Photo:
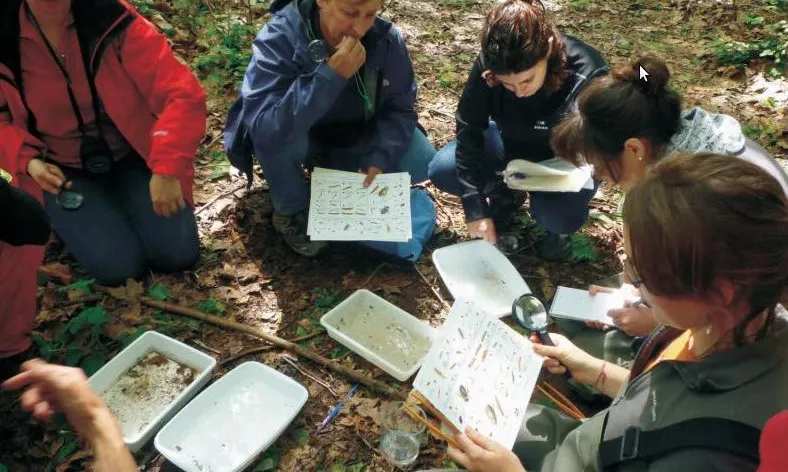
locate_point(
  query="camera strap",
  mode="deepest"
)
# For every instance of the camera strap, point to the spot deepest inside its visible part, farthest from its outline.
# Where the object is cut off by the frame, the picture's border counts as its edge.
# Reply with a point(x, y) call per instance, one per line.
point(72, 98)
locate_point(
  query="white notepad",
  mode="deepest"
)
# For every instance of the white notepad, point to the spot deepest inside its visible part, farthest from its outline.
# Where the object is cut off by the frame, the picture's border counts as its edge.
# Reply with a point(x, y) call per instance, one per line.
point(552, 175)
point(580, 305)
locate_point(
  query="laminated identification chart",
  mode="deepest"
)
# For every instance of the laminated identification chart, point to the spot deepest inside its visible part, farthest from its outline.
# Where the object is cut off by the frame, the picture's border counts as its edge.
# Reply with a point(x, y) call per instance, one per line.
point(480, 374)
point(341, 209)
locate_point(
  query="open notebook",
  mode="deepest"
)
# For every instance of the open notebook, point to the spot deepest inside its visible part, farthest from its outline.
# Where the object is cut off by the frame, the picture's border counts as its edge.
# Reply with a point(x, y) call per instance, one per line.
point(552, 175)
point(479, 373)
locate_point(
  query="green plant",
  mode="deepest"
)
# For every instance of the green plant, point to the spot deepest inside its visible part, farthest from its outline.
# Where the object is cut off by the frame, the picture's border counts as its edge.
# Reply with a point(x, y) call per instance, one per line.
point(772, 46)
point(579, 5)
point(751, 20)
point(582, 249)
point(81, 342)
point(212, 306)
point(228, 54)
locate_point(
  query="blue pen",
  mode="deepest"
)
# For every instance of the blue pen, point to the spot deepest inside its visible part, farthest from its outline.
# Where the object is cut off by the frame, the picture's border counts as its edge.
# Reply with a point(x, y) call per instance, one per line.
point(337, 408)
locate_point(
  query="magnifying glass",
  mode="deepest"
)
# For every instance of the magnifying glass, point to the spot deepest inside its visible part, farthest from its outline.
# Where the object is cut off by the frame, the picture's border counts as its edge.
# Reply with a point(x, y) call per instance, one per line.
point(530, 313)
point(69, 199)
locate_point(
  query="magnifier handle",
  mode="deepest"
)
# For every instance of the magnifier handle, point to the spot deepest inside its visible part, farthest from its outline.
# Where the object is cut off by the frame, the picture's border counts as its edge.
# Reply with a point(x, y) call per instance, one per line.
point(544, 336)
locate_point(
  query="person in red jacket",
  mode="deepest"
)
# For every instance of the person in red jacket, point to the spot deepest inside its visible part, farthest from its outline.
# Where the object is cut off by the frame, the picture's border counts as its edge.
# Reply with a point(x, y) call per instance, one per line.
point(24, 230)
point(774, 444)
point(96, 109)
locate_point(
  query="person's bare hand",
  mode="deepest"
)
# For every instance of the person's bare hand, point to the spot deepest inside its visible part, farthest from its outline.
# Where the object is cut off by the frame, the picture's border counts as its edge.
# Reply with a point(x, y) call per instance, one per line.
point(566, 356)
point(479, 453)
point(348, 58)
point(593, 290)
point(634, 319)
point(484, 229)
point(166, 194)
point(48, 176)
point(372, 172)
point(51, 389)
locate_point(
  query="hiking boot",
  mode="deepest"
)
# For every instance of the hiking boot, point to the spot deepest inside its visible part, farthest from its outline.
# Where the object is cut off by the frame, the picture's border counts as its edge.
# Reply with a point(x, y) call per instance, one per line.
point(293, 231)
point(508, 243)
point(554, 247)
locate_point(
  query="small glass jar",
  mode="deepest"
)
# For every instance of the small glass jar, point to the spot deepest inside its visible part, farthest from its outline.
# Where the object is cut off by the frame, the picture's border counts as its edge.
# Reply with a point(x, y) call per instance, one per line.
point(402, 436)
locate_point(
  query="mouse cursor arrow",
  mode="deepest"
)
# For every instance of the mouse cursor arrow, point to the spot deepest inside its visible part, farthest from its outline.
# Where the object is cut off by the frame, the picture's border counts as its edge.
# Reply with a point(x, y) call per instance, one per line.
point(643, 74)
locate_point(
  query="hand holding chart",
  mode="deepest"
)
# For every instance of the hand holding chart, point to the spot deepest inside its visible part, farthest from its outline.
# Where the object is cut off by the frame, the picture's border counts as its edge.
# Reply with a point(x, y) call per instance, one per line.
point(581, 305)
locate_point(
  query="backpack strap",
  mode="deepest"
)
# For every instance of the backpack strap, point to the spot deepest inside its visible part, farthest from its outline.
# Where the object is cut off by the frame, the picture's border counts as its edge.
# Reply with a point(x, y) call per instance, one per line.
point(709, 433)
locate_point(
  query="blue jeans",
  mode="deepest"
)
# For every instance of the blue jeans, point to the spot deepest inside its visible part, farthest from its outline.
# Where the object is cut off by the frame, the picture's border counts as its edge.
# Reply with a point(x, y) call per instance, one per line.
point(290, 192)
point(557, 212)
point(115, 235)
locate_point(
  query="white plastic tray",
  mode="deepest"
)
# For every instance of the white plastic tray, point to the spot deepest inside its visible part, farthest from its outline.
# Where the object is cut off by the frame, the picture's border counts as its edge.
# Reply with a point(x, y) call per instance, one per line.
point(232, 421)
point(128, 358)
point(388, 314)
point(478, 271)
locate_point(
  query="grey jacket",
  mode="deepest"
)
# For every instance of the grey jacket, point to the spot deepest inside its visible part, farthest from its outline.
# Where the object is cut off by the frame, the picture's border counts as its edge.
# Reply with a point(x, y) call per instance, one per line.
point(747, 384)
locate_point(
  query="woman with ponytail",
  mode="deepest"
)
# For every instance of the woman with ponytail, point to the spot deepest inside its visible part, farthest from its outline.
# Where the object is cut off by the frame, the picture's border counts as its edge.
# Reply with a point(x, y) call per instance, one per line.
point(525, 78)
point(624, 123)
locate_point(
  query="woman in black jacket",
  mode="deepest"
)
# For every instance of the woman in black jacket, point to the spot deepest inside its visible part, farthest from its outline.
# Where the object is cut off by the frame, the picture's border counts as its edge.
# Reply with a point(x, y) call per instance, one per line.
point(524, 80)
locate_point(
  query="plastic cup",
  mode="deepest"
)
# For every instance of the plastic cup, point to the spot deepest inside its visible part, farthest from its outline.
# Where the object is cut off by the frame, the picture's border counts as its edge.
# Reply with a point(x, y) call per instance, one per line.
point(402, 436)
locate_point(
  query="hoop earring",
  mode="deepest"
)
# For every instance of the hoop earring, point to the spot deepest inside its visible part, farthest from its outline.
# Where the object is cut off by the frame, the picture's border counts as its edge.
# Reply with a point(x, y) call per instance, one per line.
point(708, 328)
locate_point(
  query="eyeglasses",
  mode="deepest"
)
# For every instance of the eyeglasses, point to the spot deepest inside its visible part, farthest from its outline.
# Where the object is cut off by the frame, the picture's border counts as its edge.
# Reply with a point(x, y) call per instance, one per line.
point(631, 274)
point(69, 199)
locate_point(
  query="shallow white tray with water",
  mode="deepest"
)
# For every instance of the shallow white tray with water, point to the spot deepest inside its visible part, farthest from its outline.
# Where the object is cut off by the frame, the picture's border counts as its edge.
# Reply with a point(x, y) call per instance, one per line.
point(478, 271)
point(380, 332)
point(232, 421)
point(149, 381)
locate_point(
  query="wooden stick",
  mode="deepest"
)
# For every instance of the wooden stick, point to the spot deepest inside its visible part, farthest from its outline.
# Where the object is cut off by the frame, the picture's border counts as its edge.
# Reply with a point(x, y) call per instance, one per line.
point(292, 362)
point(369, 279)
point(257, 350)
point(275, 340)
point(567, 402)
point(434, 292)
point(85, 299)
point(217, 197)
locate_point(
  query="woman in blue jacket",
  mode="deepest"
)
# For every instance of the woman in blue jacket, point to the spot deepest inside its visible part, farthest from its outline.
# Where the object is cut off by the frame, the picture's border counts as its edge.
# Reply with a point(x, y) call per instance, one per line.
point(331, 83)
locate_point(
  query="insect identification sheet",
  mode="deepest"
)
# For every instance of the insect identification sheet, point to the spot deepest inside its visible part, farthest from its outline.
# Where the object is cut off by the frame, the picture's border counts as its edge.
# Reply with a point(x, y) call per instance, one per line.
point(480, 373)
point(341, 209)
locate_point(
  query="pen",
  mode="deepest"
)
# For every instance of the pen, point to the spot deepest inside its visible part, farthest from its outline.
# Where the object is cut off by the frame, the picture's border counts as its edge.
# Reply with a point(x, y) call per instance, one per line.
point(337, 408)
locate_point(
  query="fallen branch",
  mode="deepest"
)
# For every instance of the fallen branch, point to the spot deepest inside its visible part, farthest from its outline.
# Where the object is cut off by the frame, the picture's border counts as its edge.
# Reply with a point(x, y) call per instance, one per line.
point(275, 340)
point(258, 350)
point(303, 372)
point(434, 292)
point(217, 197)
point(372, 274)
point(85, 299)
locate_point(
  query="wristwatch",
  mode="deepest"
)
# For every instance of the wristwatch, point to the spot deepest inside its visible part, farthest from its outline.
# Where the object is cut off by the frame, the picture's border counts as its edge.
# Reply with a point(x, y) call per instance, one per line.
point(318, 50)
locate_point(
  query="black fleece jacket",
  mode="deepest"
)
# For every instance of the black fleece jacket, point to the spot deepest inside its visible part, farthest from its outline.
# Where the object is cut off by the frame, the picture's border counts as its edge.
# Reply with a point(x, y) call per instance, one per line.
point(525, 123)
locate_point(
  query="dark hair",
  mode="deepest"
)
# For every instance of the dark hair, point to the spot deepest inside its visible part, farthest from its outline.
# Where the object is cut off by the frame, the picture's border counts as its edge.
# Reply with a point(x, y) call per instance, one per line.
point(519, 33)
point(696, 219)
point(618, 107)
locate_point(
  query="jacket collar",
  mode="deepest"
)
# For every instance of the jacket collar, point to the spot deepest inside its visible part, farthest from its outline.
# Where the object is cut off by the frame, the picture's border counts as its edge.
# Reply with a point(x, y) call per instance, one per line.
point(304, 11)
point(730, 369)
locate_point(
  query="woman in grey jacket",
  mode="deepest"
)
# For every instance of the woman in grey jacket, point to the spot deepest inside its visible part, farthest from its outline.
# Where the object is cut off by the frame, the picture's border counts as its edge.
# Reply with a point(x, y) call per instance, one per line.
point(707, 244)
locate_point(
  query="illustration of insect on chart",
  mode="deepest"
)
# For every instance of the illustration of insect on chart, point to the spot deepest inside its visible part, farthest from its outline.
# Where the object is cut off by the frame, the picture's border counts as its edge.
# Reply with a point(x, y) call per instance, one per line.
point(481, 373)
point(341, 209)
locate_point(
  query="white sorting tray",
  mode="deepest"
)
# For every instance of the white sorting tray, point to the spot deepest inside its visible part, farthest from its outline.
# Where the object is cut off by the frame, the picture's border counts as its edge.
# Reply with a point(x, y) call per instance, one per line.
point(478, 271)
point(233, 420)
point(128, 358)
point(386, 314)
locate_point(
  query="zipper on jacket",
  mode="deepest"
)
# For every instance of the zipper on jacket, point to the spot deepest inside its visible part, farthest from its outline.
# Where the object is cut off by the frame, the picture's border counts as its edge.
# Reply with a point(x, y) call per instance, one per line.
point(101, 40)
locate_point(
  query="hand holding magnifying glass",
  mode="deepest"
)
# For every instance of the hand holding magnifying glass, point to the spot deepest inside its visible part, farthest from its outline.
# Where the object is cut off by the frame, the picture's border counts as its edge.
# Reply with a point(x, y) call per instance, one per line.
point(530, 313)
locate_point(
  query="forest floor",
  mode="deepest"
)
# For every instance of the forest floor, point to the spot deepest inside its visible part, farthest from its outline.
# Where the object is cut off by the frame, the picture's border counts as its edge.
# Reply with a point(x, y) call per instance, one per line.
point(246, 273)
